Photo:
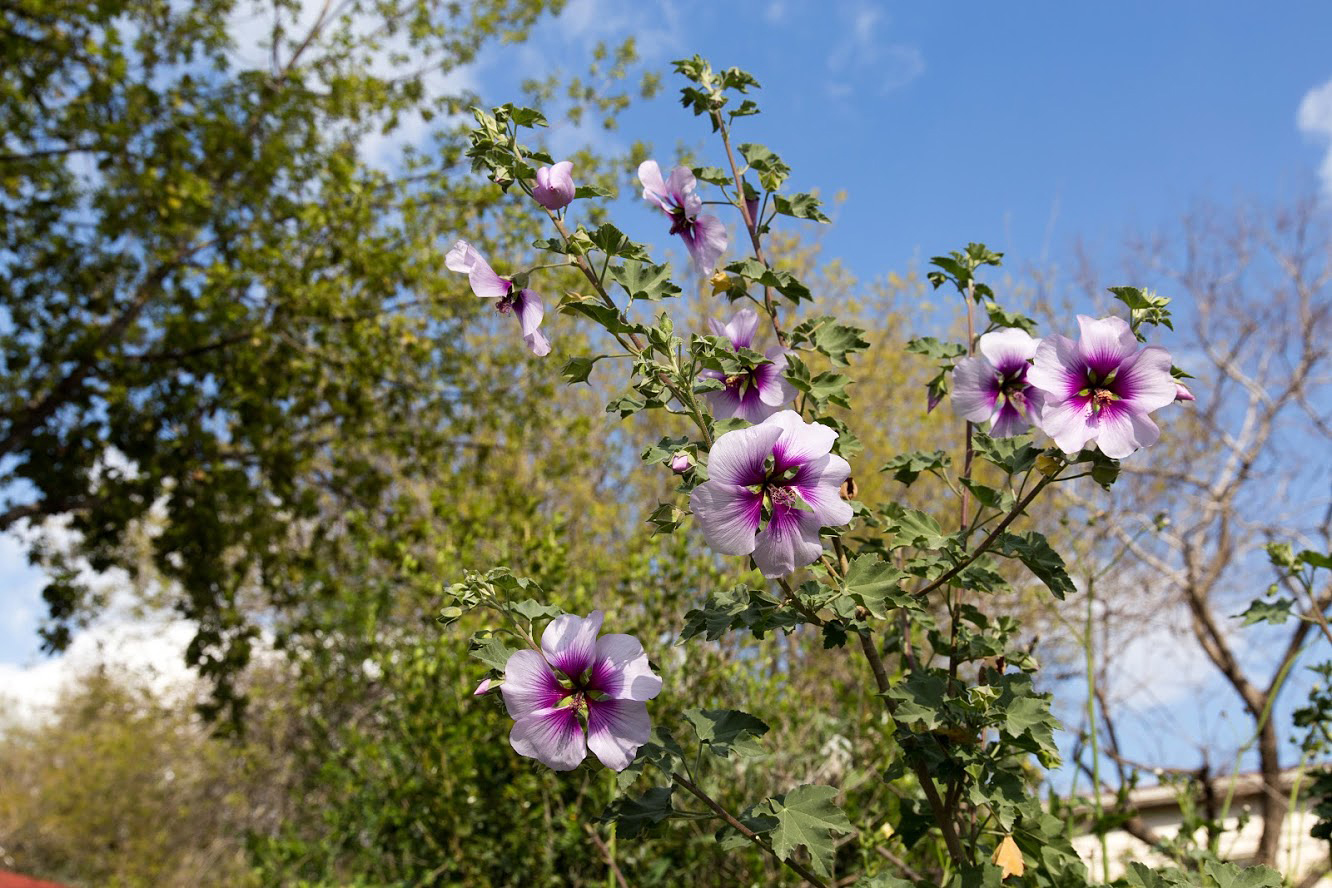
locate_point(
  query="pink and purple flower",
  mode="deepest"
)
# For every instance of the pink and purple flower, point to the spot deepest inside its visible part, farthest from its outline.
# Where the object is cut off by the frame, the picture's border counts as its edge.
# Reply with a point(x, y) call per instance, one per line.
point(526, 304)
point(770, 488)
point(704, 235)
point(1101, 389)
point(578, 679)
point(756, 393)
point(555, 186)
point(992, 386)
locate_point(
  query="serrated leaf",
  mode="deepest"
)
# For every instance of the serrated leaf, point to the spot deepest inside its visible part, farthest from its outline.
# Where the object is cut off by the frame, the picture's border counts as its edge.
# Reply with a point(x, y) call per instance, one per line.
point(914, 528)
point(614, 242)
point(727, 730)
point(806, 817)
point(643, 280)
point(633, 816)
point(906, 467)
point(782, 281)
point(934, 348)
point(577, 370)
point(1274, 612)
point(1034, 550)
point(799, 206)
point(491, 651)
point(876, 585)
point(586, 191)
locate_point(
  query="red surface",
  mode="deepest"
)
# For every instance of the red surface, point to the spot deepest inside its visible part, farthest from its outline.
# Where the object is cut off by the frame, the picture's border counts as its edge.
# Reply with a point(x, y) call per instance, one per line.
point(14, 880)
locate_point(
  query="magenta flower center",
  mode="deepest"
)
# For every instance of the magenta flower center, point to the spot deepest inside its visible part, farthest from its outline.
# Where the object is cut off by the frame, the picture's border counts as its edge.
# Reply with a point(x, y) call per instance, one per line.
point(1101, 389)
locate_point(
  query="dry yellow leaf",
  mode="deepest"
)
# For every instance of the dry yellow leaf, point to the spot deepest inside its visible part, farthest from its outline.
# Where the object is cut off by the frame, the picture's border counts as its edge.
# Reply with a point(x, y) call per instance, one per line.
point(1009, 857)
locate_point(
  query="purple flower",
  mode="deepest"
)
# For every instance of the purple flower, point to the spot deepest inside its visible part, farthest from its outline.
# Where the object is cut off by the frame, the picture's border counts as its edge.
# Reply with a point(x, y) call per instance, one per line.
point(703, 234)
point(753, 394)
point(681, 462)
point(576, 679)
point(555, 186)
point(778, 476)
point(464, 258)
point(1101, 388)
point(992, 386)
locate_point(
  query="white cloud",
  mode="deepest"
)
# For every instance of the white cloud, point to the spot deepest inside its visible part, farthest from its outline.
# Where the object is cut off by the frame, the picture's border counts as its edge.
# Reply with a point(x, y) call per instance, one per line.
point(775, 12)
point(1314, 118)
point(865, 59)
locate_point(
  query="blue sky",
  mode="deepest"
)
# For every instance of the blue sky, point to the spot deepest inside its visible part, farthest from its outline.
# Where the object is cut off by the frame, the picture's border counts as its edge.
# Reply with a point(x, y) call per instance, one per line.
point(1026, 126)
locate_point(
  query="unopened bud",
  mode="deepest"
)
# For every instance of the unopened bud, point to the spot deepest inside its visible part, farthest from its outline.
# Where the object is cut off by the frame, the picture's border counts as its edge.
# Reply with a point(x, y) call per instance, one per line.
point(721, 282)
point(1049, 464)
point(681, 462)
point(487, 685)
point(1182, 392)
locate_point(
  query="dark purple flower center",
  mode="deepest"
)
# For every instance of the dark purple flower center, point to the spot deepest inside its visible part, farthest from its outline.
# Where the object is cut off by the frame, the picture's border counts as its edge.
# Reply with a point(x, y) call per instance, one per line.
point(509, 300)
point(592, 685)
point(1101, 389)
point(739, 382)
point(680, 222)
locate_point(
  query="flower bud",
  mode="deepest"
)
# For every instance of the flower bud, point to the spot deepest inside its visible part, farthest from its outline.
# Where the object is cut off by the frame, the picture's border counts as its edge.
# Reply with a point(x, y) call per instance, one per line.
point(681, 462)
point(555, 186)
point(487, 685)
point(1182, 392)
point(721, 282)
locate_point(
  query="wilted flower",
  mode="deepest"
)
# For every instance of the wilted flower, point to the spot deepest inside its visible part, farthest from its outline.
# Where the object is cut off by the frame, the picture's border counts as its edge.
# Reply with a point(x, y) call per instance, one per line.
point(526, 304)
point(1101, 388)
point(703, 234)
point(681, 462)
point(992, 386)
point(555, 186)
point(575, 679)
point(753, 394)
point(778, 476)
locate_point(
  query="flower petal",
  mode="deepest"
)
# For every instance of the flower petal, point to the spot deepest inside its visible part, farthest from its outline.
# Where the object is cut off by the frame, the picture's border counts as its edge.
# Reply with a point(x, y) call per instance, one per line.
point(706, 241)
point(654, 189)
point(615, 730)
point(530, 310)
point(1008, 421)
point(1144, 381)
point(570, 642)
point(551, 736)
point(773, 388)
point(464, 258)
point(1105, 342)
point(819, 483)
point(1058, 369)
point(1120, 430)
point(737, 456)
point(728, 515)
point(1008, 349)
point(790, 540)
point(741, 328)
point(680, 187)
point(800, 441)
point(623, 656)
point(975, 389)
point(529, 684)
point(1067, 422)
point(555, 186)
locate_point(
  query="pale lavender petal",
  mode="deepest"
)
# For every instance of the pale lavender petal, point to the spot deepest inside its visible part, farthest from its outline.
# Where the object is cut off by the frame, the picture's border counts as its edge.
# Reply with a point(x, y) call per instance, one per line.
point(773, 388)
point(706, 241)
point(1105, 342)
point(464, 258)
point(741, 328)
point(1067, 422)
point(1058, 369)
point(624, 657)
point(615, 730)
point(790, 540)
point(1121, 430)
point(975, 389)
point(1144, 380)
point(1008, 421)
point(819, 483)
point(552, 736)
point(727, 514)
point(750, 404)
point(1008, 349)
point(485, 687)
point(800, 441)
point(681, 186)
point(570, 641)
point(737, 456)
point(530, 310)
point(555, 186)
point(681, 462)
point(529, 684)
point(724, 403)
point(654, 189)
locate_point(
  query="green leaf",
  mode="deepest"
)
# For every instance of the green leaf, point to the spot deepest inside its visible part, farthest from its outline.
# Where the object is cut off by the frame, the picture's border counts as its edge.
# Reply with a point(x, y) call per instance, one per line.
point(1002, 500)
point(614, 242)
point(914, 528)
point(876, 585)
point(712, 175)
point(1228, 875)
point(933, 348)
point(1013, 455)
point(830, 338)
point(1274, 612)
point(919, 700)
point(491, 651)
point(807, 817)
point(772, 170)
point(1034, 550)
point(578, 369)
point(643, 280)
point(727, 730)
point(782, 281)
point(1315, 559)
point(906, 467)
point(665, 518)
point(799, 206)
point(633, 816)
point(586, 191)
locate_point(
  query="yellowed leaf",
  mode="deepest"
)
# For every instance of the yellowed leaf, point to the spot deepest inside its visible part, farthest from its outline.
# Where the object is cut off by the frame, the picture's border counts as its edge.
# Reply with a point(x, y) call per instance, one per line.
point(1008, 856)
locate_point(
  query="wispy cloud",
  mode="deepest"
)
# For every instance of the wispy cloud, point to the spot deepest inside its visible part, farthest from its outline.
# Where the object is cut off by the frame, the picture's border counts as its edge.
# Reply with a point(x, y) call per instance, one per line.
point(1314, 118)
point(865, 60)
